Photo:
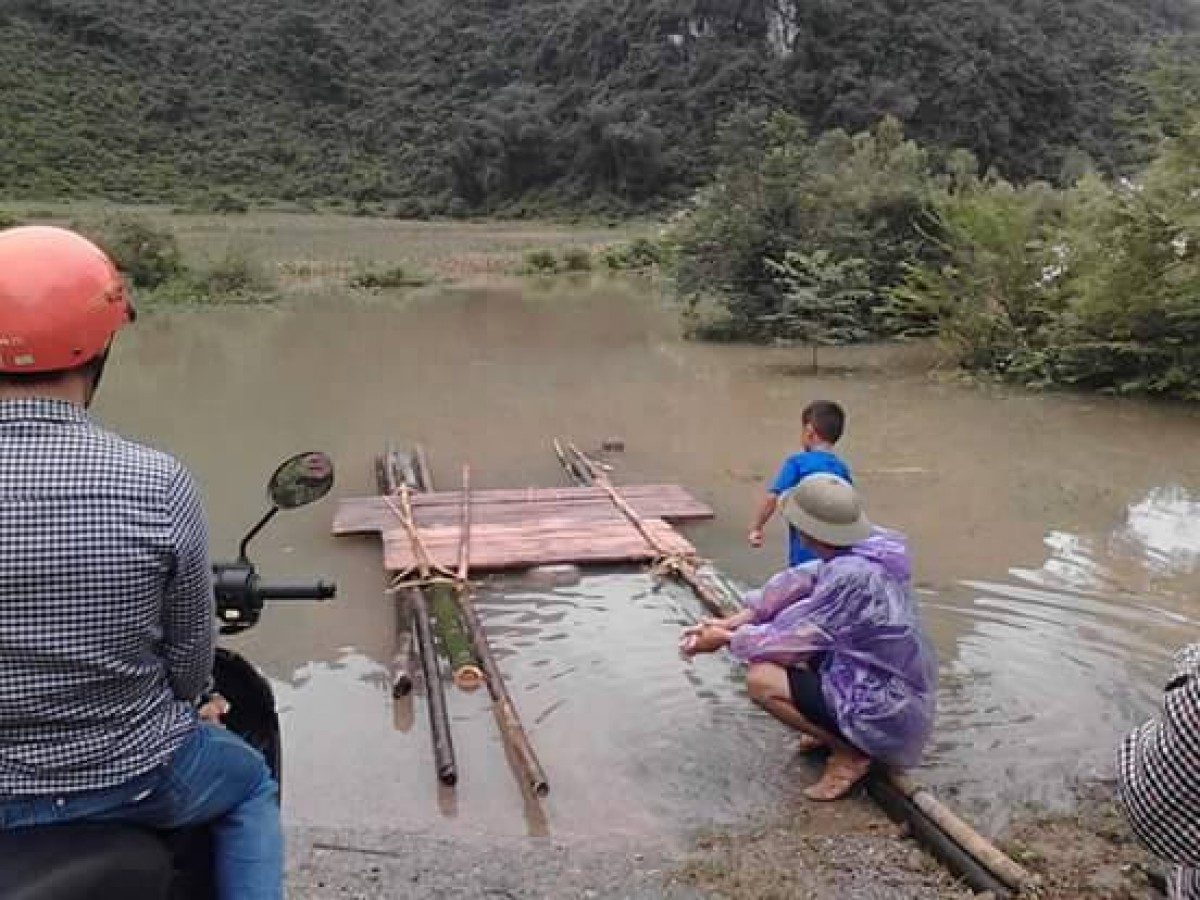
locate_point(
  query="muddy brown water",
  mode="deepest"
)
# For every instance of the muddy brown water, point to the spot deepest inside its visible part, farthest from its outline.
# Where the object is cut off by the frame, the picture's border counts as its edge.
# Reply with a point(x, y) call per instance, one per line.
point(1057, 543)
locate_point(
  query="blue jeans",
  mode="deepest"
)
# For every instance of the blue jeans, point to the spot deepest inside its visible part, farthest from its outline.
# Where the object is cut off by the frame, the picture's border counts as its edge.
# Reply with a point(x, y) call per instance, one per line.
point(214, 777)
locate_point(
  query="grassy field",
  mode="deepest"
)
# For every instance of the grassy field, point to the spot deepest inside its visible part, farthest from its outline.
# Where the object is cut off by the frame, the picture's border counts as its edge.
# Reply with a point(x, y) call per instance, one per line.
point(307, 251)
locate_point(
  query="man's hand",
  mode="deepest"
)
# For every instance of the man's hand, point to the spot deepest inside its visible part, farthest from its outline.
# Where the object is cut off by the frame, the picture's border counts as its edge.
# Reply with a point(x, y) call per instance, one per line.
point(730, 623)
point(213, 709)
point(755, 537)
point(703, 639)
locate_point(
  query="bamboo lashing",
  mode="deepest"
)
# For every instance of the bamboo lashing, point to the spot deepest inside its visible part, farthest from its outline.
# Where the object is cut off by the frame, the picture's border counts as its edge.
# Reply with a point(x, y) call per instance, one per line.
point(424, 565)
point(441, 587)
point(502, 706)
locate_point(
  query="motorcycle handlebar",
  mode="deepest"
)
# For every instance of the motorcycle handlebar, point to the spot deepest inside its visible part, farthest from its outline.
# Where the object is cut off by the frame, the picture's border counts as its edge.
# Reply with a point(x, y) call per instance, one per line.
point(306, 590)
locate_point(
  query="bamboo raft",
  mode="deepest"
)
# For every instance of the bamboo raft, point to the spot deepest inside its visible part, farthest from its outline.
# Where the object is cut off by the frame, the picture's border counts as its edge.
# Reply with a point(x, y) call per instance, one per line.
point(518, 529)
point(439, 537)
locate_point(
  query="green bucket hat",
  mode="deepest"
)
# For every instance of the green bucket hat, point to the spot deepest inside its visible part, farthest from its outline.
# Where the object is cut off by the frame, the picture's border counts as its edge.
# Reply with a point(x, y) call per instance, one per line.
point(826, 508)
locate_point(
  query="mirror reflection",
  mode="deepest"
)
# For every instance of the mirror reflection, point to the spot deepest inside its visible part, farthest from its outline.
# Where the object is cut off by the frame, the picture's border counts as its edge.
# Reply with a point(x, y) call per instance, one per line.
point(303, 479)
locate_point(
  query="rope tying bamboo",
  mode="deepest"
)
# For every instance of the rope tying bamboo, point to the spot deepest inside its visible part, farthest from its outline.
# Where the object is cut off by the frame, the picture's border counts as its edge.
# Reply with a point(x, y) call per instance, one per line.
point(427, 572)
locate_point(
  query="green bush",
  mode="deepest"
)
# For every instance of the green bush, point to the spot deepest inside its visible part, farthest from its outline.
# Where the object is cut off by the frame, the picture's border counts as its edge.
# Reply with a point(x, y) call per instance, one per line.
point(863, 199)
point(994, 288)
point(234, 274)
point(577, 259)
point(639, 254)
point(1097, 287)
point(540, 262)
point(146, 255)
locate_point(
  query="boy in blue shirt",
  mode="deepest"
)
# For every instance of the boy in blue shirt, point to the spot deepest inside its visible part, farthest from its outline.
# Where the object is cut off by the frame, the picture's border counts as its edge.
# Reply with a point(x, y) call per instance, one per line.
point(823, 423)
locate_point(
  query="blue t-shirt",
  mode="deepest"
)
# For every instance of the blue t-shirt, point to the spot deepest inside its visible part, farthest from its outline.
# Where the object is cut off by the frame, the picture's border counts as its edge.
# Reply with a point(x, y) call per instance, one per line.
point(795, 468)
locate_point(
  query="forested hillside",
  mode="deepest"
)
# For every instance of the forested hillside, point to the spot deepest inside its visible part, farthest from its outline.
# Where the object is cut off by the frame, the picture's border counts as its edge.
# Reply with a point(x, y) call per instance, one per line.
point(421, 106)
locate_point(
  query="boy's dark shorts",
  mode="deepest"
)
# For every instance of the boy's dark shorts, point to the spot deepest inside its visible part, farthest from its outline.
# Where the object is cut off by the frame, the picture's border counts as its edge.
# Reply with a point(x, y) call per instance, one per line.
point(809, 699)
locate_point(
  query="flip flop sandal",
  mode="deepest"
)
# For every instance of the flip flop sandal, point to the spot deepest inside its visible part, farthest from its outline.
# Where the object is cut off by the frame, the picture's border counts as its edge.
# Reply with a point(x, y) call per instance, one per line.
point(836, 784)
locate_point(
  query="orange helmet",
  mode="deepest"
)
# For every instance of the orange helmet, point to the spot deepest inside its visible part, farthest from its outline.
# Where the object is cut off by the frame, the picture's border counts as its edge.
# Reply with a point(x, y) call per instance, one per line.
point(61, 300)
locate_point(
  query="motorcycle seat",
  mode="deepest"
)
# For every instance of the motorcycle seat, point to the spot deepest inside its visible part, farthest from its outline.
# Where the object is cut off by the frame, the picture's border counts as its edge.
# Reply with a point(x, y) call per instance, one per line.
point(79, 862)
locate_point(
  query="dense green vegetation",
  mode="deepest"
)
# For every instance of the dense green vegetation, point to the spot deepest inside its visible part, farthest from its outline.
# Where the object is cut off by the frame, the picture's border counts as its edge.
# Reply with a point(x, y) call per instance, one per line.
point(842, 238)
point(418, 106)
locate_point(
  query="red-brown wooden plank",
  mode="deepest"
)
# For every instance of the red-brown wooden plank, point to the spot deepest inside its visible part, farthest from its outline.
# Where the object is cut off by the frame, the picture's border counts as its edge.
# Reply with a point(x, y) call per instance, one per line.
point(668, 502)
point(496, 547)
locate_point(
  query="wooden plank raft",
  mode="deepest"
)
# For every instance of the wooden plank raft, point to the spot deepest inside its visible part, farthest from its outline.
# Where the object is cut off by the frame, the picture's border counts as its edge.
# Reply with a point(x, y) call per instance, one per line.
point(524, 527)
point(669, 502)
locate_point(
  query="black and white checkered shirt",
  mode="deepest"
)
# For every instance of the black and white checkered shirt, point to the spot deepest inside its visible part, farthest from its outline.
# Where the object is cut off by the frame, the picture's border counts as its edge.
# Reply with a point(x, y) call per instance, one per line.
point(106, 604)
point(1158, 778)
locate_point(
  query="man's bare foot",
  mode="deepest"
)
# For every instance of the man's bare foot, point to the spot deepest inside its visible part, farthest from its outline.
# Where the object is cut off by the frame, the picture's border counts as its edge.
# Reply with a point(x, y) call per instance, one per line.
point(842, 772)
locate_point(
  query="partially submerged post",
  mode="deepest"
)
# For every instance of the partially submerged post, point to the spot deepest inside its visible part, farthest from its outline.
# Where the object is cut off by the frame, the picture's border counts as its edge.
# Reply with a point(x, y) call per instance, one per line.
point(444, 603)
point(506, 713)
point(439, 721)
point(397, 476)
point(392, 469)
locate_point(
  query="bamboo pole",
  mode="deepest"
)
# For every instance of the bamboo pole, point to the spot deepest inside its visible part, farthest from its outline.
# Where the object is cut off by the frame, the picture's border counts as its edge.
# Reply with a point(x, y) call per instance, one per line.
point(397, 478)
point(402, 680)
point(456, 645)
point(586, 472)
point(387, 479)
point(502, 706)
point(424, 475)
point(988, 854)
point(439, 721)
point(442, 600)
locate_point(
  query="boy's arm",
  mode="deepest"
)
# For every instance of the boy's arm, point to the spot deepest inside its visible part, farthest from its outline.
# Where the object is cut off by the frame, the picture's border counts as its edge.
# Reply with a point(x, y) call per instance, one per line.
point(765, 510)
point(787, 478)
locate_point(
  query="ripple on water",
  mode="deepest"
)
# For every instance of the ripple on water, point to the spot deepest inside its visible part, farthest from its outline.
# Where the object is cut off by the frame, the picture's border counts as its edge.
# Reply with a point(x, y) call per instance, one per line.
point(1055, 665)
point(634, 739)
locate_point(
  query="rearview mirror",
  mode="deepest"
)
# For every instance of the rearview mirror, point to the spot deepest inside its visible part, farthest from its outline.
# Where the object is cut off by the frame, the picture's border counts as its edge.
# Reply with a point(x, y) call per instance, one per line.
point(301, 480)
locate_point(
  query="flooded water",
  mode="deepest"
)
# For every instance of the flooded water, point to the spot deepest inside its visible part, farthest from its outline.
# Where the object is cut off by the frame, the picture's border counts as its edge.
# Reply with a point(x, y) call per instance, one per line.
point(1056, 540)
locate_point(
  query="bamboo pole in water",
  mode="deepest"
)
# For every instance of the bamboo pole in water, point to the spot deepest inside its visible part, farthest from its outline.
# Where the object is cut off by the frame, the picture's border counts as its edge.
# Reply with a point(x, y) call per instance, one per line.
point(397, 478)
point(424, 475)
point(502, 706)
point(584, 471)
point(443, 601)
point(439, 721)
point(388, 477)
point(441, 598)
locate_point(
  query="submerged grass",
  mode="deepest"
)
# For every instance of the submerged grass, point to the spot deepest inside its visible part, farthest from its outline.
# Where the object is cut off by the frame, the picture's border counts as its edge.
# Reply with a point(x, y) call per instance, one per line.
point(264, 256)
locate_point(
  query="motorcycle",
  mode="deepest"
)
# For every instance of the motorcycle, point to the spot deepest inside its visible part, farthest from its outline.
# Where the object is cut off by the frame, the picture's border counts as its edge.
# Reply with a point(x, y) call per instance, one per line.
point(86, 862)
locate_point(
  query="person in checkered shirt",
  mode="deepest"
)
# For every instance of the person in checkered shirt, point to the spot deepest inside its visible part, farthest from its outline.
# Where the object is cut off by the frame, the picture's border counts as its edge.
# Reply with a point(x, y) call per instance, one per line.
point(1158, 778)
point(106, 601)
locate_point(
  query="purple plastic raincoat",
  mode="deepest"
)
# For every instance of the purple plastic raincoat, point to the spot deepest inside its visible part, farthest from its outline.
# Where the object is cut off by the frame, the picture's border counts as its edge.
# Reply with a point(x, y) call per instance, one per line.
point(856, 615)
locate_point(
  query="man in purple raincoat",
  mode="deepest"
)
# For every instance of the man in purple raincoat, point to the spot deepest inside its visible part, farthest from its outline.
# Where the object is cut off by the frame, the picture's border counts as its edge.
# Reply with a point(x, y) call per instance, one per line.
point(835, 647)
